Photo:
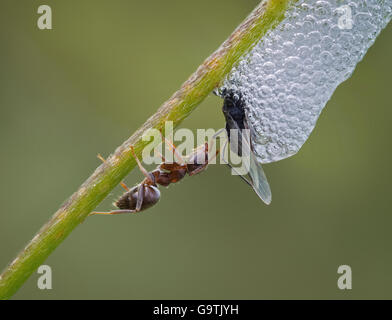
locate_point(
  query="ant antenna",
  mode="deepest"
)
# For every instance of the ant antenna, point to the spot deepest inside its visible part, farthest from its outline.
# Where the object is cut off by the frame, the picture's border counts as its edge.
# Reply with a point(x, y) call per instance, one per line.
point(142, 169)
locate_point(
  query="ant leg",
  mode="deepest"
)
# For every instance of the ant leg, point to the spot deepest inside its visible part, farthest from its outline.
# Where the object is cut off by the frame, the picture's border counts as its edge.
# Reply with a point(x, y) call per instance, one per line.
point(160, 155)
point(172, 147)
point(124, 186)
point(113, 212)
point(140, 198)
point(201, 168)
point(142, 169)
point(122, 183)
point(198, 170)
point(215, 155)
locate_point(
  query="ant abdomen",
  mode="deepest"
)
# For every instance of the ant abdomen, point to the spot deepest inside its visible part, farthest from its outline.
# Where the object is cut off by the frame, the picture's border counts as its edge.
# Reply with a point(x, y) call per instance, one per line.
point(128, 201)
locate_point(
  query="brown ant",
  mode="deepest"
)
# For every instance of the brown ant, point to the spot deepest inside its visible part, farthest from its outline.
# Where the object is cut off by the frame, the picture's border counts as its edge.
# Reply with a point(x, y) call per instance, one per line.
point(146, 194)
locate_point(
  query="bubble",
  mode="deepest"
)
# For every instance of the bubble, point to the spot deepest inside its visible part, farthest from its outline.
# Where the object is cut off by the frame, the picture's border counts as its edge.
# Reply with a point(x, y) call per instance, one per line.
point(304, 52)
point(326, 58)
point(270, 80)
point(269, 67)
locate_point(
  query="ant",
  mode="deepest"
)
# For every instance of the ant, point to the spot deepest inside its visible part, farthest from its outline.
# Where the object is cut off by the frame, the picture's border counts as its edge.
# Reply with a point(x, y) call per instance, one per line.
point(146, 194)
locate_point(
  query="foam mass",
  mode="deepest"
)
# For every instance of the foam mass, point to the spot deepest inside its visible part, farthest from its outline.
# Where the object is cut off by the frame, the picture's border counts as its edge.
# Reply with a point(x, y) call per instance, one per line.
point(288, 77)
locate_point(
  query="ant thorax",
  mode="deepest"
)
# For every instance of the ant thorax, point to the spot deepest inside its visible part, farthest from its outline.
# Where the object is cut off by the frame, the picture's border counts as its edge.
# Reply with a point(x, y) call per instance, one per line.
point(168, 173)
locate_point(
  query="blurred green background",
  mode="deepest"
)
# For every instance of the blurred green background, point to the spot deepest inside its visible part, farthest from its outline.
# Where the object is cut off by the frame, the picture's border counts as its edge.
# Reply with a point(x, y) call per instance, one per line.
point(88, 84)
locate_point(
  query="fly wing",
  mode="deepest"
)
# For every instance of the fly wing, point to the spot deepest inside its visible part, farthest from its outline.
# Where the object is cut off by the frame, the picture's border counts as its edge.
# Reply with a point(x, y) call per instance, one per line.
point(256, 173)
point(257, 178)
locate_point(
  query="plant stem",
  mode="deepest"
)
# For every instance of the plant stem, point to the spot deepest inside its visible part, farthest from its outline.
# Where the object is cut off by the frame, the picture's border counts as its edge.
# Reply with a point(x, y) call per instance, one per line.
point(206, 78)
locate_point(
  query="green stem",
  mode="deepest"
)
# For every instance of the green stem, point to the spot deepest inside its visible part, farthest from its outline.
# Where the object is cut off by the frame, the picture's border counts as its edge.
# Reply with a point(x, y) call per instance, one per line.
point(75, 210)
